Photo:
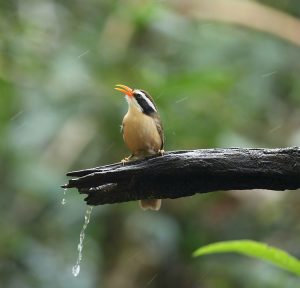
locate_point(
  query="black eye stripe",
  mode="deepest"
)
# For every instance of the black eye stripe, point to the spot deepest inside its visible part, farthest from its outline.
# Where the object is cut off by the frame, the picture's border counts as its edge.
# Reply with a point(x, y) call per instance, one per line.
point(145, 106)
point(147, 109)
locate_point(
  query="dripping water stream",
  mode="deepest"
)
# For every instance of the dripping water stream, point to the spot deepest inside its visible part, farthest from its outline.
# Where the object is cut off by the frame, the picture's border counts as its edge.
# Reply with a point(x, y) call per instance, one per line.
point(64, 201)
point(87, 216)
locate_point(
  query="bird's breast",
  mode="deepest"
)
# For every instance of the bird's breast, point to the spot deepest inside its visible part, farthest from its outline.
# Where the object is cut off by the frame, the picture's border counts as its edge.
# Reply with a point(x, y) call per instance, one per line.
point(140, 133)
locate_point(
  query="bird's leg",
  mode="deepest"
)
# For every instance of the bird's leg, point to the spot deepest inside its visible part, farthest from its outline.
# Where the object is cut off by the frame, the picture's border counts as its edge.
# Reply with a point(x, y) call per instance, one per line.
point(126, 159)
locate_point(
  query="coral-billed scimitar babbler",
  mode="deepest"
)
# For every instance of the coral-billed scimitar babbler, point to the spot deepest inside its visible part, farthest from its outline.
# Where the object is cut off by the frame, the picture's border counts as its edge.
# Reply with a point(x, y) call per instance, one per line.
point(142, 131)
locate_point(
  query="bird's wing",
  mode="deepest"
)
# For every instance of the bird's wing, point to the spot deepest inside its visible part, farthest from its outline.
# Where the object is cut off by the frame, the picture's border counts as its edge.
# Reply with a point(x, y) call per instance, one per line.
point(160, 130)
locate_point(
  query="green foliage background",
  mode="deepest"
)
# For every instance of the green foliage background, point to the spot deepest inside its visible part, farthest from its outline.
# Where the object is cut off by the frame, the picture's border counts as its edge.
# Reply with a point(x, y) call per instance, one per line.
point(216, 85)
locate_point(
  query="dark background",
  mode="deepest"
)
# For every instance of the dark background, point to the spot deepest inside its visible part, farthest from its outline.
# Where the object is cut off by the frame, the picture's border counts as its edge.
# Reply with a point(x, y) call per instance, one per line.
point(218, 82)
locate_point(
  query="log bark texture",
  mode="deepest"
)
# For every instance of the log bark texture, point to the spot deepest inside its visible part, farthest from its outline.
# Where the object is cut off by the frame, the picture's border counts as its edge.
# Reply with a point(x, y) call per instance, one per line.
point(185, 173)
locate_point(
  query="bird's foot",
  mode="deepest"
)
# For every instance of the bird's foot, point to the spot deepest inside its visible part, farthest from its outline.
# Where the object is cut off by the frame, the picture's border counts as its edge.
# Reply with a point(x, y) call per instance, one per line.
point(126, 159)
point(161, 152)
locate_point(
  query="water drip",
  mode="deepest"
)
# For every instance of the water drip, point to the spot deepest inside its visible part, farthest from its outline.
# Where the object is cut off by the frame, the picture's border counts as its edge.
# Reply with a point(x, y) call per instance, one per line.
point(64, 201)
point(87, 216)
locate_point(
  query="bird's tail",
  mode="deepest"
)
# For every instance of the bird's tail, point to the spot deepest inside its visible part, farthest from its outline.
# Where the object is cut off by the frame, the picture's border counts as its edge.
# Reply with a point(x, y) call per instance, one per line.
point(153, 204)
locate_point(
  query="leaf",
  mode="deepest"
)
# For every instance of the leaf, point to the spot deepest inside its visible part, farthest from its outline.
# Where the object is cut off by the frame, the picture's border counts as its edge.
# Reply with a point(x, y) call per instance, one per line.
point(254, 249)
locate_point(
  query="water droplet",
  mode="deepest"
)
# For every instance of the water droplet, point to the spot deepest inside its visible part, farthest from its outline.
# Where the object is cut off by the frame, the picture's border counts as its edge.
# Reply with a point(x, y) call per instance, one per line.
point(76, 270)
point(87, 216)
point(64, 201)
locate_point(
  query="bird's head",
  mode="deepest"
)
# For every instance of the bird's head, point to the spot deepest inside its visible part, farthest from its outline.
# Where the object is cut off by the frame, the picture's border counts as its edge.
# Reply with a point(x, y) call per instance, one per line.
point(139, 99)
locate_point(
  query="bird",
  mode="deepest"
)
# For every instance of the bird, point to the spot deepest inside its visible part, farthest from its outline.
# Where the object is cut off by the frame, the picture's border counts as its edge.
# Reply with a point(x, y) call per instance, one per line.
point(142, 131)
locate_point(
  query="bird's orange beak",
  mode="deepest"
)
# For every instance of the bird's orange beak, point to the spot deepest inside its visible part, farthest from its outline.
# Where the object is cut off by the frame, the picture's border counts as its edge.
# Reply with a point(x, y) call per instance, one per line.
point(124, 89)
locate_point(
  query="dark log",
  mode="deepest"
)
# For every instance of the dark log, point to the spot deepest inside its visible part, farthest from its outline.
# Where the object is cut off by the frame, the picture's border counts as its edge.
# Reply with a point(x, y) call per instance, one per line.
point(185, 173)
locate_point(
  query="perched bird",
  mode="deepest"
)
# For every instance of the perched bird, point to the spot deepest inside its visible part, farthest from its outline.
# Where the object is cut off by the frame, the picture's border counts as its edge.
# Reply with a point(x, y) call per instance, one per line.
point(142, 131)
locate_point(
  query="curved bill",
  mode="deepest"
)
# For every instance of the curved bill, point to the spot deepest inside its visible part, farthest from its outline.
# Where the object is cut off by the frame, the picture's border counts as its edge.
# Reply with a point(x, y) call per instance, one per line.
point(124, 89)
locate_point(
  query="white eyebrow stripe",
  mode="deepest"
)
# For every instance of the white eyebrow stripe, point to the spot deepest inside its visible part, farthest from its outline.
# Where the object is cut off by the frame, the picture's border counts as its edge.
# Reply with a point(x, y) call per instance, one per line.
point(149, 102)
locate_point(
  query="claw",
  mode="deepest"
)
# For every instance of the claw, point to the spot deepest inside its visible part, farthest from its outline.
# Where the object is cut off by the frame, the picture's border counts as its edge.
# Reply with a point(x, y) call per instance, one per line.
point(161, 152)
point(126, 159)
point(123, 161)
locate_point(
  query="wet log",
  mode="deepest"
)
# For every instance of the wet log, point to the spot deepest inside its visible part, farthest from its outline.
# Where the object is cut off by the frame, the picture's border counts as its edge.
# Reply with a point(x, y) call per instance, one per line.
point(185, 173)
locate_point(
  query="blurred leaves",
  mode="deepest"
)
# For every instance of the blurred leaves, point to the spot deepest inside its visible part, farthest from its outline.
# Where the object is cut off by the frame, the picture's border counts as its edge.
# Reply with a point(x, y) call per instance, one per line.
point(215, 85)
point(255, 249)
